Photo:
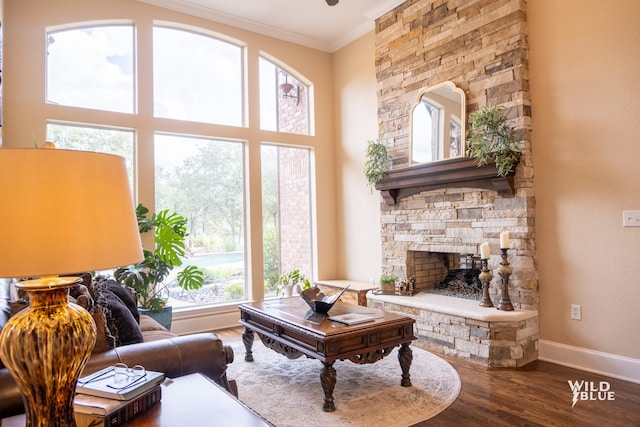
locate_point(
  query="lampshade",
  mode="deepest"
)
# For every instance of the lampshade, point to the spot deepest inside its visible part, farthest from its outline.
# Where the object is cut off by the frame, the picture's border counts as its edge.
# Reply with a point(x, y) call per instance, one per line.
point(65, 212)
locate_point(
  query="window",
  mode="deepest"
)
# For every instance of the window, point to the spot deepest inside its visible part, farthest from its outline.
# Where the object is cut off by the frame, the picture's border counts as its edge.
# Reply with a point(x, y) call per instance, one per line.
point(284, 100)
point(197, 78)
point(286, 213)
point(197, 163)
point(203, 179)
point(88, 138)
point(91, 68)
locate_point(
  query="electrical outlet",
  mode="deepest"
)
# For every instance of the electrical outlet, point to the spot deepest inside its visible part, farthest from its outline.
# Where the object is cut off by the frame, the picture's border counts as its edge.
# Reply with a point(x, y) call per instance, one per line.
point(631, 218)
point(576, 312)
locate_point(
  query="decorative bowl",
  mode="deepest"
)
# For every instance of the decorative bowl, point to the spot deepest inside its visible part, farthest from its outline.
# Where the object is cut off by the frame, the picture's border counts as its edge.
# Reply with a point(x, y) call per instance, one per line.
point(319, 302)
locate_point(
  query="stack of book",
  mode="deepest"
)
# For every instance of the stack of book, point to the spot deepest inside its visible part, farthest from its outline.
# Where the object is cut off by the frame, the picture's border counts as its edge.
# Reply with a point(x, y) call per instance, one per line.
point(102, 399)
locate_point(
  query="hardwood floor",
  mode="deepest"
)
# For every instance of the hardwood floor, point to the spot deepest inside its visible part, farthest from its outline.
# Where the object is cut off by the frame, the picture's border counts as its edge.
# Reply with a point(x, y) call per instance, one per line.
point(537, 396)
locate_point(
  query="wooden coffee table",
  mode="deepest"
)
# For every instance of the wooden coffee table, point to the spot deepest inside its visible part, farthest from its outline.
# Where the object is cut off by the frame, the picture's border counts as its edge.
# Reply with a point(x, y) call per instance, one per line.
point(290, 328)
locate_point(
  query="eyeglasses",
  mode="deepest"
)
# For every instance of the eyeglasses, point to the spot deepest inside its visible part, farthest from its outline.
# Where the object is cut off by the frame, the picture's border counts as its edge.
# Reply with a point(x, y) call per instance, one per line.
point(124, 376)
point(128, 376)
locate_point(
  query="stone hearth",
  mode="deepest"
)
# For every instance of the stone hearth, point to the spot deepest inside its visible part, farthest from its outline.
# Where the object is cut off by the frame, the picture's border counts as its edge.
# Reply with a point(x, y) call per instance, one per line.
point(459, 327)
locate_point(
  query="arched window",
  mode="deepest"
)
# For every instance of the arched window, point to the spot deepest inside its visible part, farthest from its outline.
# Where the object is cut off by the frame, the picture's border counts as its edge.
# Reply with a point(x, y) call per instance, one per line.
point(189, 152)
point(92, 67)
point(197, 77)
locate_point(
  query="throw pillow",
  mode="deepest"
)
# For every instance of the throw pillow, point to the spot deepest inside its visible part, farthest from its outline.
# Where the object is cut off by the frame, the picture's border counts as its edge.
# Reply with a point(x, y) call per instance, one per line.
point(125, 297)
point(104, 339)
point(120, 320)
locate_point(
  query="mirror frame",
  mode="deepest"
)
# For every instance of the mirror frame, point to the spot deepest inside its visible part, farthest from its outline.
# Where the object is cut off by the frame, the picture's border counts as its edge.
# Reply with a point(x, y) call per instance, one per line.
point(463, 120)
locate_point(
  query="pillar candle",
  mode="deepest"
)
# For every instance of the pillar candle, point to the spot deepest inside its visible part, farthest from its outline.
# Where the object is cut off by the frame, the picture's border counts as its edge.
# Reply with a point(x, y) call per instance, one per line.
point(484, 251)
point(504, 240)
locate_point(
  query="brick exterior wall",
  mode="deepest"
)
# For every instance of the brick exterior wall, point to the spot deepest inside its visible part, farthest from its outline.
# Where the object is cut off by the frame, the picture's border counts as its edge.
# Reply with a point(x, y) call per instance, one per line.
point(481, 46)
point(295, 214)
point(294, 185)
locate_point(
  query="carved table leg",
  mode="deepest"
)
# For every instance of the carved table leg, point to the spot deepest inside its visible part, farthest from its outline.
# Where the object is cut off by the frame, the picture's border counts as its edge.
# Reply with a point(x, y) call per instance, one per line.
point(405, 356)
point(247, 340)
point(328, 380)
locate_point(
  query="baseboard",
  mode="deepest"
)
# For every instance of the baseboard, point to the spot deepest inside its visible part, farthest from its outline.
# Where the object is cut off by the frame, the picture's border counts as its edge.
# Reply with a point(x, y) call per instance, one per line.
point(611, 365)
point(204, 320)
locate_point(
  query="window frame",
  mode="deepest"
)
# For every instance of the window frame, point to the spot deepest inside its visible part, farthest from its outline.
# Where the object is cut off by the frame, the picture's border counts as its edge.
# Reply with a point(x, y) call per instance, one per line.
point(145, 125)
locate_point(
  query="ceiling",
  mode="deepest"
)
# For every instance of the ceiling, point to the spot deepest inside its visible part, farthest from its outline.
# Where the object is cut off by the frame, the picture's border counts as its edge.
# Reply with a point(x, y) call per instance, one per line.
point(310, 23)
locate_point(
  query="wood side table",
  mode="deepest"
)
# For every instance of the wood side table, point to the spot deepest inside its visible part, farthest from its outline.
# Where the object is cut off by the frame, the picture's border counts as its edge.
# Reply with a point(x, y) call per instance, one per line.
point(190, 400)
point(289, 327)
point(356, 294)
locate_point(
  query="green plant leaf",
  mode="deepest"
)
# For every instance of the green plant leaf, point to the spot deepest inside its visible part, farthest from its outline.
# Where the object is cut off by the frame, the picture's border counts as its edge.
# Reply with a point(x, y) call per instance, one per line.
point(491, 136)
point(377, 162)
point(190, 278)
point(147, 277)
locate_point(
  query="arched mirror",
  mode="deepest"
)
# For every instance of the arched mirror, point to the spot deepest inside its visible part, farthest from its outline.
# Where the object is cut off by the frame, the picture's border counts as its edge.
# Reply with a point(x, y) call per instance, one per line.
point(438, 124)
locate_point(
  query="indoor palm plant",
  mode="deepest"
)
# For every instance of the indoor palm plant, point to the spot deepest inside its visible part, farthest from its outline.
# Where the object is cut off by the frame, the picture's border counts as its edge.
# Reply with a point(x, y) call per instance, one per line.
point(147, 278)
point(491, 136)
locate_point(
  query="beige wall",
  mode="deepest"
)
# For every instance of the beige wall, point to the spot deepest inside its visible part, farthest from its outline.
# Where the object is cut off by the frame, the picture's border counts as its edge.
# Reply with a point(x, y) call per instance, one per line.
point(25, 112)
point(359, 249)
point(585, 94)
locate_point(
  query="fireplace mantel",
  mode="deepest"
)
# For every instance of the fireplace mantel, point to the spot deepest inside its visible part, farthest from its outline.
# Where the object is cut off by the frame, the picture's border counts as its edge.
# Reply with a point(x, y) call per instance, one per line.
point(459, 172)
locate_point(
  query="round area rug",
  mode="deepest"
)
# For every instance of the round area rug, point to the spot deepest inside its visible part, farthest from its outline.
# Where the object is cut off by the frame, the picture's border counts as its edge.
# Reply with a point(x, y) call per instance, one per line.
point(288, 392)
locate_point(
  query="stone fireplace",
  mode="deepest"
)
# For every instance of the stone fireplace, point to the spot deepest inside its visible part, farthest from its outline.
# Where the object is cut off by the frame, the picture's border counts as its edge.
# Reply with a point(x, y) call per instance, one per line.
point(427, 210)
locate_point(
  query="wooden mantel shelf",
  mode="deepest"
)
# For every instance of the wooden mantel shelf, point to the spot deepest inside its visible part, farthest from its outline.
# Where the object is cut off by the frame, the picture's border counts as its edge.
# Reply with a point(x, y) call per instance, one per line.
point(459, 172)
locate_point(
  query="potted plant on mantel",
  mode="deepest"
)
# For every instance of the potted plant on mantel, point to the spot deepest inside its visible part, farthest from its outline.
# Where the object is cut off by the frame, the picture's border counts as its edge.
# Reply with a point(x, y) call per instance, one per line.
point(147, 278)
point(490, 136)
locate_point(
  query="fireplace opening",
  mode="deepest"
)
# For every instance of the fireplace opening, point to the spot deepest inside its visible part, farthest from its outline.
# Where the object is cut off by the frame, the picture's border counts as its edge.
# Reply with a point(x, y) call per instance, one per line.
point(451, 274)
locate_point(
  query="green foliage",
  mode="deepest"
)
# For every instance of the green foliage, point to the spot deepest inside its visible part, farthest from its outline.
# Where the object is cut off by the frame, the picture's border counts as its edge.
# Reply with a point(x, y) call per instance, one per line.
point(271, 253)
point(147, 277)
point(292, 278)
point(221, 272)
point(490, 135)
point(234, 291)
point(377, 162)
point(206, 188)
point(388, 279)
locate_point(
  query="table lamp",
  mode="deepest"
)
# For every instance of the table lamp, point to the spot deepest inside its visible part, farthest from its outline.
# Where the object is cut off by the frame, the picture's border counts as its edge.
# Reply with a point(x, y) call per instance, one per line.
point(63, 212)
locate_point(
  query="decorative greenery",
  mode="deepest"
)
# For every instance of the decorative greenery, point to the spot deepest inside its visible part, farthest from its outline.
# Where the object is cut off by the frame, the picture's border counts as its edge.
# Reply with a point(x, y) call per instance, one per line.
point(388, 279)
point(491, 136)
point(147, 277)
point(377, 162)
point(234, 291)
point(291, 278)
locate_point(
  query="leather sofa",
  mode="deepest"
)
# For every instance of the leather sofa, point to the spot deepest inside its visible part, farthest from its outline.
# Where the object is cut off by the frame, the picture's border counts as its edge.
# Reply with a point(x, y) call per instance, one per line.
point(160, 351)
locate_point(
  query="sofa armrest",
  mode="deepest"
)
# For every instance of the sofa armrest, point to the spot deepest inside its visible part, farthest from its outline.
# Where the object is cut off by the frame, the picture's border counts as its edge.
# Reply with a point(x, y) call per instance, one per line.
point(177, 356)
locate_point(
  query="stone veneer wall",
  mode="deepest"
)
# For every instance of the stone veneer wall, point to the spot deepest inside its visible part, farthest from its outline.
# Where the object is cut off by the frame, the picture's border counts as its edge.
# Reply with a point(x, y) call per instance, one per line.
point(497, 341)
point(481, 46)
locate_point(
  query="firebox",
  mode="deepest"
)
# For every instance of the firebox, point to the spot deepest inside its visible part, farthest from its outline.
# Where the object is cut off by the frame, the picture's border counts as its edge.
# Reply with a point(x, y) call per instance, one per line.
point(451, 274)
